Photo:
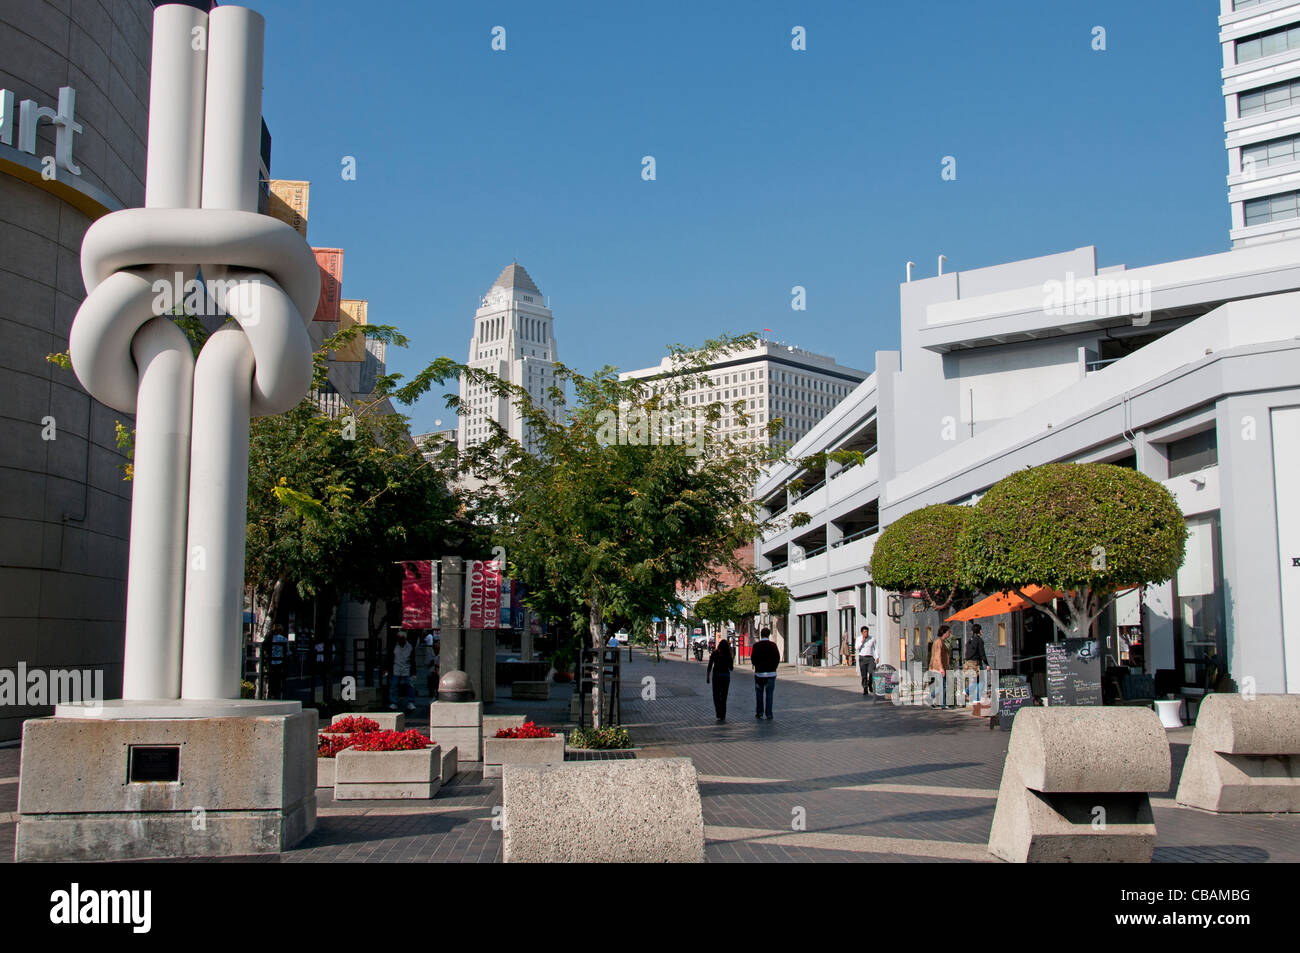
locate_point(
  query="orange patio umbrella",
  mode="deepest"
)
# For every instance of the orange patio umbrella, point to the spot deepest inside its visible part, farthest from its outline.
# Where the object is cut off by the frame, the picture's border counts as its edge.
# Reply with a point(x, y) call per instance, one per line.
point(1003, 602)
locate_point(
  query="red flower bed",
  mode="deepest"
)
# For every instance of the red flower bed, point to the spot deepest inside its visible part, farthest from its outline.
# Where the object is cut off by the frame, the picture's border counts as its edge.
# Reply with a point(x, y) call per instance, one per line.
point(352, 725)
point(410, 740)
point(526, 730)
point(329, 747)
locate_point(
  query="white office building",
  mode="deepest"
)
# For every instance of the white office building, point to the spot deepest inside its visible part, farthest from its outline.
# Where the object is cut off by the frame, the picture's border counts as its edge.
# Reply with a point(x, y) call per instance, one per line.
point(1261, 92)
point(774, 380)
point(514, 338)
point(1188, 371)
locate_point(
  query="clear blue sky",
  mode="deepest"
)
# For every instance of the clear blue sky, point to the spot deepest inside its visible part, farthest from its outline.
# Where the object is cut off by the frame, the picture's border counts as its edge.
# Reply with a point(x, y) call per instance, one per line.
point(775, 168)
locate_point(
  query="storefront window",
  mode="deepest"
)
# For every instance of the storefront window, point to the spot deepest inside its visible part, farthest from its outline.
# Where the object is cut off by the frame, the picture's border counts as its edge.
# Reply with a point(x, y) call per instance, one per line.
point(1198, 602)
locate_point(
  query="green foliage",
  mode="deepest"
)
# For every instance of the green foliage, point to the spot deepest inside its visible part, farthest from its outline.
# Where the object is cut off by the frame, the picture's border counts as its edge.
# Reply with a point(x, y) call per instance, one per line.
point(603, 739)
point(124, 437)
point(919, 551)
point(62, 359)
point(1073, 526)
point(742, 602)
point(335, 503)
point(599, 522)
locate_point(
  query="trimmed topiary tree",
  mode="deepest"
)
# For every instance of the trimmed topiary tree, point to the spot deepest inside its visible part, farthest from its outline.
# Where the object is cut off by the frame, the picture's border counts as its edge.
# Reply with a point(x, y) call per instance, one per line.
point(919, 551)
point(1087, 529)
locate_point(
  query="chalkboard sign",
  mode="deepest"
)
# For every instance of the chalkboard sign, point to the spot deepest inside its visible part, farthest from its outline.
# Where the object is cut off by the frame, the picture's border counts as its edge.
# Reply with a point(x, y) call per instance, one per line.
point(1013, 694)
point(1074, 672)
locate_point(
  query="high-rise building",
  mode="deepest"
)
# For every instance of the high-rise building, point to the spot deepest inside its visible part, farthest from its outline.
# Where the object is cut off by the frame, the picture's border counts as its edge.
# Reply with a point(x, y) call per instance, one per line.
point(1261, 92)
point(774, 380)
point(514, 338)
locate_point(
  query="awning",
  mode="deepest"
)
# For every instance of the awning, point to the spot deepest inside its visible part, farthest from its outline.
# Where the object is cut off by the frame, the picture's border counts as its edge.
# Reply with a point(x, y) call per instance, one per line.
point(1004, 602)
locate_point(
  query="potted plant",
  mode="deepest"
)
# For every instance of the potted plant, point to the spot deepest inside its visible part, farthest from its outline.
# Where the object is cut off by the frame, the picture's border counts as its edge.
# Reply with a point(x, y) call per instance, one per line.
point(562, 661)
point(609, 738)
point(522, 744)
point(388, 764)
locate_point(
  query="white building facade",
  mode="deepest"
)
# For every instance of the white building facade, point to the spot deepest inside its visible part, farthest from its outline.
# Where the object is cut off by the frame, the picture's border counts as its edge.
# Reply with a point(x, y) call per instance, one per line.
point(1261, 92)
point(1188, 371)
point(774, 380)
point(514, 338)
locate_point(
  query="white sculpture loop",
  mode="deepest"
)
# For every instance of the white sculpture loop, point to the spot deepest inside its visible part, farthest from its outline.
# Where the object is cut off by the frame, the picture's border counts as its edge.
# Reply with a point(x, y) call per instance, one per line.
point(185, 577)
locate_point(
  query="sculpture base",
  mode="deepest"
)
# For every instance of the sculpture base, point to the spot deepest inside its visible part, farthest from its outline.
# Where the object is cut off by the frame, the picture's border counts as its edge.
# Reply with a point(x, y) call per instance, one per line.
point(119, 708)
point(136, 786)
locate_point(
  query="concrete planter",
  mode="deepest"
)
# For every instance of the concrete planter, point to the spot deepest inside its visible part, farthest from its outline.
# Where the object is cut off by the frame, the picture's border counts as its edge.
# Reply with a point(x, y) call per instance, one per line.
point(498, 752)
point(383, 775)
point(325, 772)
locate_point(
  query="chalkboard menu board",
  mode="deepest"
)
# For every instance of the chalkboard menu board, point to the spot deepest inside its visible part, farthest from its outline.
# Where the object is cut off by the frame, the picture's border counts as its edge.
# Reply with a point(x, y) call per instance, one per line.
point(1074, 672)
point(1013, 694)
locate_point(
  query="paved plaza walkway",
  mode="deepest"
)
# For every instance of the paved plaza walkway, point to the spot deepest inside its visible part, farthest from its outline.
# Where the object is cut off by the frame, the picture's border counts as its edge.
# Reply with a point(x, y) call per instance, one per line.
point(834, 777)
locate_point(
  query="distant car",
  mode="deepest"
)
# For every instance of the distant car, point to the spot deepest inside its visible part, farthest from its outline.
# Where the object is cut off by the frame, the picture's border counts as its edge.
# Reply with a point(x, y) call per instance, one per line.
point(622, 636)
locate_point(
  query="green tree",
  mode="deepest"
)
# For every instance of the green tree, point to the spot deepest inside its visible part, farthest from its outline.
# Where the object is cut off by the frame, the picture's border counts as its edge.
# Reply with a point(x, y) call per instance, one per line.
point(335, 503)
point(625, 494)
point(919, 551)
point(1088, 529)
point(742, 603)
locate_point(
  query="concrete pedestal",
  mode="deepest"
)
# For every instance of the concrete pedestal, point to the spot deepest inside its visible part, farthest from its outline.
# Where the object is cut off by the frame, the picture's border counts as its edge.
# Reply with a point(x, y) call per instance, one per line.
point(458, 725)
point(243, 784)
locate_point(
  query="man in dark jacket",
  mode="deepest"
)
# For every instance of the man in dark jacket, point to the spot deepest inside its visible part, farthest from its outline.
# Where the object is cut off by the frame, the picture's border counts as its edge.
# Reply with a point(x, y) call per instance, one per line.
point(765, 657)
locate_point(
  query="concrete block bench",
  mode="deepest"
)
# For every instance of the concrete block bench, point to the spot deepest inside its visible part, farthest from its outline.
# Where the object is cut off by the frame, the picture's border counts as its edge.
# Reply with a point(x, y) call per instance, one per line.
point(537, 691)
point(1245, 755)
point(644, 811)
point(1076, 786)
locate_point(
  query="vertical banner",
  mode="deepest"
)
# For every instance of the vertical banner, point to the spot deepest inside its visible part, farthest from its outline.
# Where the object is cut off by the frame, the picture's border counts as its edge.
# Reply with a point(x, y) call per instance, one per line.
point(289, 202)
point(330, 261)
point(419, 594)
point(352, 312)
point(503, 621)
point(483, 593)
point(516, 605)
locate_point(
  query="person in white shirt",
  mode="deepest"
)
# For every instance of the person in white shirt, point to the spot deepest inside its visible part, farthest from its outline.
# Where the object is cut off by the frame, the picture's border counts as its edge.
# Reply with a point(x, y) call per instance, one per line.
point(866, 649)
point(401, 668)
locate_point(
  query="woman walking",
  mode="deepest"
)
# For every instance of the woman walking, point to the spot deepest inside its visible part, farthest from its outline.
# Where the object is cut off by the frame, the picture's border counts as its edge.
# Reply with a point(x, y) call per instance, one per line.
point(721, 663)
point(940, 659)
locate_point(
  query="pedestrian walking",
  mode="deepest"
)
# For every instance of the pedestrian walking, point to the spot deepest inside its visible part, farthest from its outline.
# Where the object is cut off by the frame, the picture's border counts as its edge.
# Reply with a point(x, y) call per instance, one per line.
point(765, 657)
point(866, 659)
point(401, 666)
point(940, 659)
point(977, 661)
point(721, 663)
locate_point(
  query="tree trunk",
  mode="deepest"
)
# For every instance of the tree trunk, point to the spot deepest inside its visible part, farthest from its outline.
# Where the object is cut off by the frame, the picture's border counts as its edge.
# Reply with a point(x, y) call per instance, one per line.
point(596, 629)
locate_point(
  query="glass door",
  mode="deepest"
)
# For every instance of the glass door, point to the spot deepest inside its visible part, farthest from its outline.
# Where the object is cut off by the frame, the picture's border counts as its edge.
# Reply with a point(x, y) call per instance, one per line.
point(1200, 642)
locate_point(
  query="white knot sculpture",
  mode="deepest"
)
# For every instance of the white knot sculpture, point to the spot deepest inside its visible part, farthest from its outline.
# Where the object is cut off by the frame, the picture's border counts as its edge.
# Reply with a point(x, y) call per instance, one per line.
point(185, 578)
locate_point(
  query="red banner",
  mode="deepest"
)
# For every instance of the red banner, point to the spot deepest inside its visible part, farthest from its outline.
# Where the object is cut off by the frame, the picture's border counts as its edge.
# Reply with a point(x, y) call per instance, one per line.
point(483, 594)
point(330, 261)
point(418, 595)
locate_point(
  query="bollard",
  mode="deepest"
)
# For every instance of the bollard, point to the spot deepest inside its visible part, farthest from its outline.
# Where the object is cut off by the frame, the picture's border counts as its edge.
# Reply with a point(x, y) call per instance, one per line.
point(1076, 784)
point(1245, 756)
